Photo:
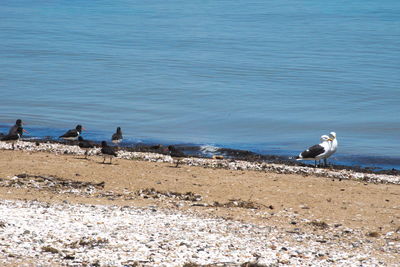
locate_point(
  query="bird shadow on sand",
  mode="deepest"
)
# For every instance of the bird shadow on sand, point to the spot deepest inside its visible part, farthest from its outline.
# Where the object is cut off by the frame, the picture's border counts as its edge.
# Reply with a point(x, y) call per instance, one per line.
point(174, 167)
point(80, 158)
point(107, 163)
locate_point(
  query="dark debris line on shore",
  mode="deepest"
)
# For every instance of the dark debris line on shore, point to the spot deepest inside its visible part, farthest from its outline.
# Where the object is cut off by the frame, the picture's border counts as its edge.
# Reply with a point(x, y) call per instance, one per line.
point(88, 189)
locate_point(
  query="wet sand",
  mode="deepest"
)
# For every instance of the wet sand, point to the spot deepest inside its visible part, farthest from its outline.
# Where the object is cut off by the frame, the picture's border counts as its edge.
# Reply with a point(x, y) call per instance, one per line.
point(286, 201)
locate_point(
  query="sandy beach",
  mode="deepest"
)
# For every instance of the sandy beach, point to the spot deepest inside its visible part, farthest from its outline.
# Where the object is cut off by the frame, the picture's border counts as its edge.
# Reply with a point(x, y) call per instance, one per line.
point(188, 215)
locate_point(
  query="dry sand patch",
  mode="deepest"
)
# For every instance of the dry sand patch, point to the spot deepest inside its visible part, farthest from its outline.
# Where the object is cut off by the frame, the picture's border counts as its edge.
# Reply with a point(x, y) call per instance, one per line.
point(293, 203)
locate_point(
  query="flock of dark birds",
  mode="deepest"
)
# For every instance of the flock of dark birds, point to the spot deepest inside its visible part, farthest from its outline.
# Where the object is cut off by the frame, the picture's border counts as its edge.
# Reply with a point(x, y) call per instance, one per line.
point(17, 130)
point(322, 151)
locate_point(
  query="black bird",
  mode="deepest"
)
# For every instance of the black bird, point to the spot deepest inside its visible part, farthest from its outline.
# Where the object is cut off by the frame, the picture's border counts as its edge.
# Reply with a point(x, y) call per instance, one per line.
point(13, 137)
point(117, 136)
point(14, 128)
point(107, 151)
point(175, 154)
point(73, 134)
point(85, 145)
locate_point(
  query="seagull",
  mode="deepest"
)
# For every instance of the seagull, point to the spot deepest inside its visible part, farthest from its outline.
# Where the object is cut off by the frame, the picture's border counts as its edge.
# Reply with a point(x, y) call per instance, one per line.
point(13, 137)
point(333, 145)
point(117, 136)
point(107, 151)
point(73, 134)
point(14, 128)
point(85, 145)
point(317, 152)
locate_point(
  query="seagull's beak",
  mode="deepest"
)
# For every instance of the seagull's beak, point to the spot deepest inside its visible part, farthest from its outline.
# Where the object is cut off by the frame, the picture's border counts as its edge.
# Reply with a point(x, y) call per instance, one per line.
point(25, 131)
point(83, 128)
point(330, 139)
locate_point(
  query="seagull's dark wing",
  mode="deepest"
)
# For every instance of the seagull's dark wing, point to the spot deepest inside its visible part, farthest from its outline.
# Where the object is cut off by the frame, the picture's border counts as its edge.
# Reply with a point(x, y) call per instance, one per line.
point(312, 152)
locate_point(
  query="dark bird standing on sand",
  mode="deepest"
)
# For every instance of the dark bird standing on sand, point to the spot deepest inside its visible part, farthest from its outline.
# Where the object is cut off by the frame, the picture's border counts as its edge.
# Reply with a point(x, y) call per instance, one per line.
point(117, 136)
point(73, 134)
point(175, 154)
point(85, 145)
point(13, 137)
point(107, 151)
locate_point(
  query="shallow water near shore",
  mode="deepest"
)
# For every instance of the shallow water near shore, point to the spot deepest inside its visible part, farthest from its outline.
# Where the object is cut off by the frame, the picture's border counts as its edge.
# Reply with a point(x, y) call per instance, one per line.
point(260, 76)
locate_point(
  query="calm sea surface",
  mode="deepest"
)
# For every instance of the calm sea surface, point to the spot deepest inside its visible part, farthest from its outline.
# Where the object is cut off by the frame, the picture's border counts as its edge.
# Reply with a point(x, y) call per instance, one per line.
point(267, 76)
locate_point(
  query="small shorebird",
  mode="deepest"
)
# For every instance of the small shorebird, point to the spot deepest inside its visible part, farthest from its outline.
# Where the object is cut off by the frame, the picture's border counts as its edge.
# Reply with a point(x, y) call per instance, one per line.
point(14, 128)
point(73, 134)
point(117, 136)
point(175, 154)
point(85, 145)
point(317, 152)
point(13, 137)
point(107, 151)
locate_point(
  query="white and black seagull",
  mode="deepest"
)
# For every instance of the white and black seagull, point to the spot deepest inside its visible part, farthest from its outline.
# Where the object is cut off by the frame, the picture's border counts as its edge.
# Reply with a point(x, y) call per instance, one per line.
point(317, 152)
point(73, 134)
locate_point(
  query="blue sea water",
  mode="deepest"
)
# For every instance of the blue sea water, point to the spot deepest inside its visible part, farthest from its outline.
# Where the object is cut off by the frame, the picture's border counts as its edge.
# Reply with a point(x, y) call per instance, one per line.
point(266, 76)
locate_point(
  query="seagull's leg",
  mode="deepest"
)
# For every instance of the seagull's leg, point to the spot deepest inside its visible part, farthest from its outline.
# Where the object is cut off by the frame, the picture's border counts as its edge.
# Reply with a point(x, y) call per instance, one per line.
point(104, 159)
point(326, 162)
point(315, 163)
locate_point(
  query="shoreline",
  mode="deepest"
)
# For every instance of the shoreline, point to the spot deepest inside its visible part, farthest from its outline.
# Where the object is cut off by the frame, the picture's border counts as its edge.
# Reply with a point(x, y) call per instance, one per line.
point(310, 220)
point(254, 162)
point(355, 162)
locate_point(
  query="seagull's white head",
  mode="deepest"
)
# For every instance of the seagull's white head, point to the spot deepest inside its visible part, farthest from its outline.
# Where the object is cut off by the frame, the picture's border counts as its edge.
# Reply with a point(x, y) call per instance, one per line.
point(332, 135)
